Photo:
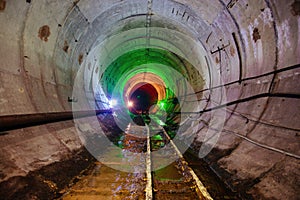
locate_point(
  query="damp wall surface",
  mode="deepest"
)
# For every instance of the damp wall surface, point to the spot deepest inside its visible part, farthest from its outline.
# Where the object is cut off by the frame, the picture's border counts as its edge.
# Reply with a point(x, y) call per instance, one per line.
point(253, 46)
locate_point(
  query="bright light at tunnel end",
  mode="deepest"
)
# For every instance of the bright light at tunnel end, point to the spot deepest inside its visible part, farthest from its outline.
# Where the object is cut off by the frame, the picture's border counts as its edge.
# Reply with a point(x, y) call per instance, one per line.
point(129, 104)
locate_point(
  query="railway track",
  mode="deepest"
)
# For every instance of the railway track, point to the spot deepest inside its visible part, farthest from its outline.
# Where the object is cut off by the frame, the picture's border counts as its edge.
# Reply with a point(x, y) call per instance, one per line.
point(176, 181)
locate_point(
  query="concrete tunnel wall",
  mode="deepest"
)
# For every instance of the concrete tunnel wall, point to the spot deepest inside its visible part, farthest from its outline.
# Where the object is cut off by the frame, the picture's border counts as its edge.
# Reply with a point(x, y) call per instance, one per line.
point(43, 44)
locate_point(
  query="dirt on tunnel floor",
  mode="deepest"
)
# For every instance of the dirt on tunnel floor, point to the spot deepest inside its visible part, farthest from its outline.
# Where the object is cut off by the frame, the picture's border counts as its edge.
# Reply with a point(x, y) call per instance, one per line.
point(49, 181)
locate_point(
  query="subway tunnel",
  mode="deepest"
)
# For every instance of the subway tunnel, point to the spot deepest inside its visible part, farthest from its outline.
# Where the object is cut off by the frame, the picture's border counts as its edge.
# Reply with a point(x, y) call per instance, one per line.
point(221, 75)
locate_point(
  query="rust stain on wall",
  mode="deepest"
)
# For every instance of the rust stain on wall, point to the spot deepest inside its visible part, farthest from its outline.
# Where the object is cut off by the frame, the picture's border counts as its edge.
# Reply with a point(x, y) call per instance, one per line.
point(232, 51)
point(256, 36)
point(2, 5)
point(296, 8)
point(66, 47)
point(44, 33)
point(80, 59)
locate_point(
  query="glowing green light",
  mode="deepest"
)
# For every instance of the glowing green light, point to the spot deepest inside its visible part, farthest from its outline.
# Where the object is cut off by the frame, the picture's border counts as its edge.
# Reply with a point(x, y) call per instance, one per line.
point(161, 123)
point(159, 62)
point(162, 104)
point(157, 137)
point(137, 62)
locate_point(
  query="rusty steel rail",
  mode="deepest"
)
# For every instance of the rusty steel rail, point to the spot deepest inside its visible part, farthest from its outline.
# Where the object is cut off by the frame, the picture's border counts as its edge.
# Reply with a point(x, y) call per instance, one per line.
point(200, 189)
point(11, 122)
point(149, 186)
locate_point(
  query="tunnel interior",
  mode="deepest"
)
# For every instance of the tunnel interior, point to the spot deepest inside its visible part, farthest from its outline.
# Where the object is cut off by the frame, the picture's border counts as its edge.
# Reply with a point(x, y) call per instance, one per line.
point(143, 98)
point(221, 76)
point(149, 77)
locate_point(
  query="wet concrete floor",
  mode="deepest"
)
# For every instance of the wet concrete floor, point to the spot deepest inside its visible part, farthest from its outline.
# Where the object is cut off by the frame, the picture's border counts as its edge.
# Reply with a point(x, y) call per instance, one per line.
point(170, 182)
point(106, 183)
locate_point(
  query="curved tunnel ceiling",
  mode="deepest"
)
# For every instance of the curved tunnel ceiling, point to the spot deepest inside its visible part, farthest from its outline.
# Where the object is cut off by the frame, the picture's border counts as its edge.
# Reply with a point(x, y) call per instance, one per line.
point(237, 60)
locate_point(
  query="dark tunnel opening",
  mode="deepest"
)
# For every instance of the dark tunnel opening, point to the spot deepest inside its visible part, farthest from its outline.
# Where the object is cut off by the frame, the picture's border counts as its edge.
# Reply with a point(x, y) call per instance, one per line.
point(142, 99)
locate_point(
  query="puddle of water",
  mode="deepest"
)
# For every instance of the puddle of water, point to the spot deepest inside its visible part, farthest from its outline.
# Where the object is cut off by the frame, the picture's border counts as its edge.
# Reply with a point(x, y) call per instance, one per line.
point(169, 172)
